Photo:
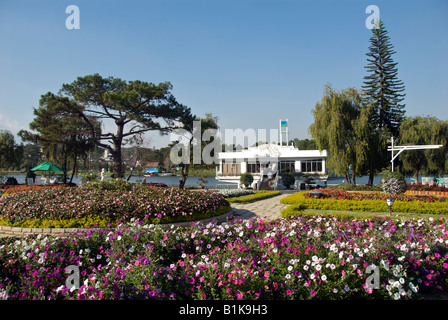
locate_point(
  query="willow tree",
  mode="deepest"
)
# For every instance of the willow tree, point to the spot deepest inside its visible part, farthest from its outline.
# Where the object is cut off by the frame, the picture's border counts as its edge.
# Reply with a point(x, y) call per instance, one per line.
point(421, 130)
point(133, 107)
point(333, 129)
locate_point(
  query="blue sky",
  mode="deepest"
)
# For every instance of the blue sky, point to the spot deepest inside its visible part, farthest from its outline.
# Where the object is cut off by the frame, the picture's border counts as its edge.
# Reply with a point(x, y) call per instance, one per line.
point(249, 62)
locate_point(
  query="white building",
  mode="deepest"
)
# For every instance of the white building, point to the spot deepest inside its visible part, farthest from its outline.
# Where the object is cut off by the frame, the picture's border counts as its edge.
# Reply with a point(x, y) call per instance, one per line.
point(269, 160)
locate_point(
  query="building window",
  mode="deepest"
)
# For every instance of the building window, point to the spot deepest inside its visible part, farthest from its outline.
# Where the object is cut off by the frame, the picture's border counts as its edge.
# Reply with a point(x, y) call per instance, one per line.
point(231, 168)
point(311, 165)
point(287, 166)
point(253, 167)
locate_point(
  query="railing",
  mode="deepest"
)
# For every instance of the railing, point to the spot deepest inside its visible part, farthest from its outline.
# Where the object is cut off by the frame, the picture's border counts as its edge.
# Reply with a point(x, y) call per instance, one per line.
point(260, 180)
point(276, 180)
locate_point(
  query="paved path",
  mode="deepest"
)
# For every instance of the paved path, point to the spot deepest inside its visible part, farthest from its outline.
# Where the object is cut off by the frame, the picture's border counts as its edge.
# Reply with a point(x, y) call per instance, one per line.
point(266, 209)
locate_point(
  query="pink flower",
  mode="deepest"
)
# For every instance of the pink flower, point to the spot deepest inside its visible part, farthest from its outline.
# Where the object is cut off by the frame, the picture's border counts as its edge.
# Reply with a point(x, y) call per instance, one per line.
point(239, 295)
point(445, 265)
point(312, 293)
point(288, 292)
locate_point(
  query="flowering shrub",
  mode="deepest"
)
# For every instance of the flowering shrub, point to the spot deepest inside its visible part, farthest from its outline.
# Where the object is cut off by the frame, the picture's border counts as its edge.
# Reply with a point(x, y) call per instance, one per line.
point(150, 204)
point(230, 193)
point(23, 187)
point(303, 258)
point(393, 183)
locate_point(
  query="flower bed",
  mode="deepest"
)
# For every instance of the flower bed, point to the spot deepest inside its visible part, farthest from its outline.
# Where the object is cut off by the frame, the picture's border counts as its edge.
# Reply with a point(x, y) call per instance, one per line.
point(339, 194)
point(425, 187)
point(77, 207)
point(302, 258)
point(11, 189)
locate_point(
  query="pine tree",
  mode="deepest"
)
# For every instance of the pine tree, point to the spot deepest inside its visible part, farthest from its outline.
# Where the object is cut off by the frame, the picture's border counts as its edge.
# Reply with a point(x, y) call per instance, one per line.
point(382, 88)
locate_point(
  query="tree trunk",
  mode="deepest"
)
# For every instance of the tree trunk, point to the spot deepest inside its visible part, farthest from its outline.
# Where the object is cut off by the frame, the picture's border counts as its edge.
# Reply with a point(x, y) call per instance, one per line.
point(117, 164)
point(184, 175)
point(370, 182)
point(74, 166)
point(416, 175)
point(348, 178)
point(116, 151)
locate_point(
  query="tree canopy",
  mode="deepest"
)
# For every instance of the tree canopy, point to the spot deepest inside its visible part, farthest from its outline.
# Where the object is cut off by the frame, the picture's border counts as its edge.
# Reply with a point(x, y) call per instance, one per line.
point(133, 107)
point(383, 89)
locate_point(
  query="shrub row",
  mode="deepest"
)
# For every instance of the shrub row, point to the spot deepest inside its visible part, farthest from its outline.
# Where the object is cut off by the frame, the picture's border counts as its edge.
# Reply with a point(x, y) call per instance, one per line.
point(258, 195)
point(301, 203)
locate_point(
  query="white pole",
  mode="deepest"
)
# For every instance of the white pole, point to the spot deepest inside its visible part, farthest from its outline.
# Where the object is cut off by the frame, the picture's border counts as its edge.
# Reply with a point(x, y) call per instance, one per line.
point(280, 127)
point(392, 141)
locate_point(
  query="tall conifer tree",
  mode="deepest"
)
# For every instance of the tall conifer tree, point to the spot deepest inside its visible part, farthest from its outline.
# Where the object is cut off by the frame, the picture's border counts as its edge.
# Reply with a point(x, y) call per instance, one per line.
point(383, 90)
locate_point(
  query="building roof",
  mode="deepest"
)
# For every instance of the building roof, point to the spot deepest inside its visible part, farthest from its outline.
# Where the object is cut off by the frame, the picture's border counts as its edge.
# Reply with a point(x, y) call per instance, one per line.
point(151, 164)
point(272, 151)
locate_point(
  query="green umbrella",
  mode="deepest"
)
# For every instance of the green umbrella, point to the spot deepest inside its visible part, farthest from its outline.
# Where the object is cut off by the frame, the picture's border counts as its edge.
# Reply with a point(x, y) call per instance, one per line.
point(46, 166)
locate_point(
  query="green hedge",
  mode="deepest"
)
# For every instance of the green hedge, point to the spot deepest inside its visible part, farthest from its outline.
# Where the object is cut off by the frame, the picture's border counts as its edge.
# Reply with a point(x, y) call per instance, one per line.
point(297, 199)
point(297, 210)
point(258, 195)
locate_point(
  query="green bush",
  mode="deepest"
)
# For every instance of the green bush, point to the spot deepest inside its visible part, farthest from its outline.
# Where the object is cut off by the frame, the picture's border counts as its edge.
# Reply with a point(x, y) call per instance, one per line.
point(287, 179)
point(247, 179)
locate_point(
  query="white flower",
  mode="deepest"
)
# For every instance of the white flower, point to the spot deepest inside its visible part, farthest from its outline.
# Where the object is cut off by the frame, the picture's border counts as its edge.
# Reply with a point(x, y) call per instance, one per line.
point(118, 238)
point(318, 267)
point(305, 267)
point(288, 276)
point(324, 278)
point(290, 268)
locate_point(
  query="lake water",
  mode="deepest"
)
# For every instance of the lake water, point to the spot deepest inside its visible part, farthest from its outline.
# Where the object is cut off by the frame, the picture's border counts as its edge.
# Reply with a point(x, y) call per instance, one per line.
point(211, 181)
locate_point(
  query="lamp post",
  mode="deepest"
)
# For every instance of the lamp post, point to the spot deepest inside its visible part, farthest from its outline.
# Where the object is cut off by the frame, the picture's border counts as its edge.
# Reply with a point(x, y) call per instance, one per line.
point(390, 202)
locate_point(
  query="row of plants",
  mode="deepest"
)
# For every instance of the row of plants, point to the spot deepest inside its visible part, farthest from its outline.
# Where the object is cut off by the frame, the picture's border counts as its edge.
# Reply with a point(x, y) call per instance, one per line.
point(258, 195)
point(357, 187)
point(32, 187)
point(425, 187)
point(77, 205)
point(307, 257)
point(301, 201)
point(339, 194)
